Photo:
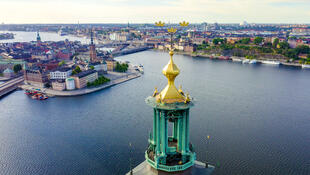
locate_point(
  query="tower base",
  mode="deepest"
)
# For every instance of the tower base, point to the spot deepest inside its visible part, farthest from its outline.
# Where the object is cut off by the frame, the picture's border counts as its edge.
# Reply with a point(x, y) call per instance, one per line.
point(198, 168)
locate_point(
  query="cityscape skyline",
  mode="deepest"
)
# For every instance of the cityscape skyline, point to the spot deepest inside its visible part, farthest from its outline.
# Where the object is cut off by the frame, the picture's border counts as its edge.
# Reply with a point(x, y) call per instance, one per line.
point(137, 11)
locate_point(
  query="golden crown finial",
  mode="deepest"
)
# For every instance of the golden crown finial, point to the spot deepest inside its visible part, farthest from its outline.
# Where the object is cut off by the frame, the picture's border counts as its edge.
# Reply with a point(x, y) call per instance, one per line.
point(172, 30)
point(159, 24)
point(184, 24)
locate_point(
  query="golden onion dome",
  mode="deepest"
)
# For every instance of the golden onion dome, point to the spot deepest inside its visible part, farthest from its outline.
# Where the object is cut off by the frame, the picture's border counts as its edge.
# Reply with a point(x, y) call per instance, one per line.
point(170, 93)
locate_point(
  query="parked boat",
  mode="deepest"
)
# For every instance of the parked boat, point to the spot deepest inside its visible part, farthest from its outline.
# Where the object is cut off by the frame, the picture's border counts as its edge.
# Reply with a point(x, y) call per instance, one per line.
point(253, 61)
point(39, 96)
point(245, 61)
point(36, 95)
point(271, 62)
point(141, 69)
point(305, 66)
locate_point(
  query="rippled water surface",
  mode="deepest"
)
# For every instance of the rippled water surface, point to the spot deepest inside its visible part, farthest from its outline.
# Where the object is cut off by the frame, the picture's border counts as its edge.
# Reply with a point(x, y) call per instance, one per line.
point(258, 118)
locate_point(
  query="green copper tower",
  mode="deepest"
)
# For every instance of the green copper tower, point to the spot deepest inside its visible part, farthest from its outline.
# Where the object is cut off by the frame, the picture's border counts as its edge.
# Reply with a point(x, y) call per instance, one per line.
point(170, 152)
point(173, 152)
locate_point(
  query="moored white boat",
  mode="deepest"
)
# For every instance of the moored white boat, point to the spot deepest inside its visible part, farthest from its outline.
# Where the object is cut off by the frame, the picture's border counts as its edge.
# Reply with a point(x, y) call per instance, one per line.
point(246, 61)
point(271, 62)
point(140, 68)
point(253, 61)
point(306, 66)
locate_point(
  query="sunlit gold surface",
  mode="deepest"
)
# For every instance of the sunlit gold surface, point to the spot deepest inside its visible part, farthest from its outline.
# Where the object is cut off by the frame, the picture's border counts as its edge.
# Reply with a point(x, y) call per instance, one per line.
point(159, 24)
point(170, 93)
point(172, 30)
point(184, 24)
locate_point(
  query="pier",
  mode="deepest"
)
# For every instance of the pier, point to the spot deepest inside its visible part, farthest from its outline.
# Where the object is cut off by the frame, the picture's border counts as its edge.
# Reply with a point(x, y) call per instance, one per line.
point(10, 86)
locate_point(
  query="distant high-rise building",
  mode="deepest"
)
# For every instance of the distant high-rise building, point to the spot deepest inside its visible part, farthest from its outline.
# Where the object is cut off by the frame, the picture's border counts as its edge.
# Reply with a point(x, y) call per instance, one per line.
point(216, 26)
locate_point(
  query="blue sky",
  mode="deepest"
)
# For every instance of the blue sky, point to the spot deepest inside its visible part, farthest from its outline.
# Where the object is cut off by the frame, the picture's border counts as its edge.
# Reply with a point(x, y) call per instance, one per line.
point(148, 11)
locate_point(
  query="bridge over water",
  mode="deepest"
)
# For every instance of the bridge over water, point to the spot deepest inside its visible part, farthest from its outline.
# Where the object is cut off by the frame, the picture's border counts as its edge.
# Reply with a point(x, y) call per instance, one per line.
point(10, 86)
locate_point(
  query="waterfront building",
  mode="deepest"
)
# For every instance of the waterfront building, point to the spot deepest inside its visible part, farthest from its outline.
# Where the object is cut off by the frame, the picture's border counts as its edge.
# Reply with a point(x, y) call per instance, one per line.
point(36, 77)
point(81, 79)
point(170, 154)
point(70, 84)
point(60, 73)
point(59, 85)
point(111, 64)
point(99, 67)
point(189, 48)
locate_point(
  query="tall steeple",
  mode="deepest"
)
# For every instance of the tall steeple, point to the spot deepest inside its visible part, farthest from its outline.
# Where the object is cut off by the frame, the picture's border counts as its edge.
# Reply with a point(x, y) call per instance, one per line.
point(92, 48)
point(91, 37)
point(38, 39)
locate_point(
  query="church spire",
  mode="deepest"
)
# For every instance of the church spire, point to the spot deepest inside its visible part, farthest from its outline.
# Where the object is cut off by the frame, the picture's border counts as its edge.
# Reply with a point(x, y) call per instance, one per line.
point(91, 36)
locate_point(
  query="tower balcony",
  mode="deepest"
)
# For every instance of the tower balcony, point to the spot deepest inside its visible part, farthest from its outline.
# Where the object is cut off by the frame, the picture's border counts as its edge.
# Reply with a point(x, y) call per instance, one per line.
point(173, 160)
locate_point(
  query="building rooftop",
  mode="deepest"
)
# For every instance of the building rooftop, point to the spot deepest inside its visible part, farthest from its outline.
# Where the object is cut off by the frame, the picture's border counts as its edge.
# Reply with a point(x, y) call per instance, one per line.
point(62, 69)
point(84, 73)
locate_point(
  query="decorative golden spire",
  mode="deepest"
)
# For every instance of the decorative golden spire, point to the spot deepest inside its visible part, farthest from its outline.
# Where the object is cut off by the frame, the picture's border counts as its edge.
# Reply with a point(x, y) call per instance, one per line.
point(172, 30)
point(184, 24)
point(170, 94)
point(159, 24)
